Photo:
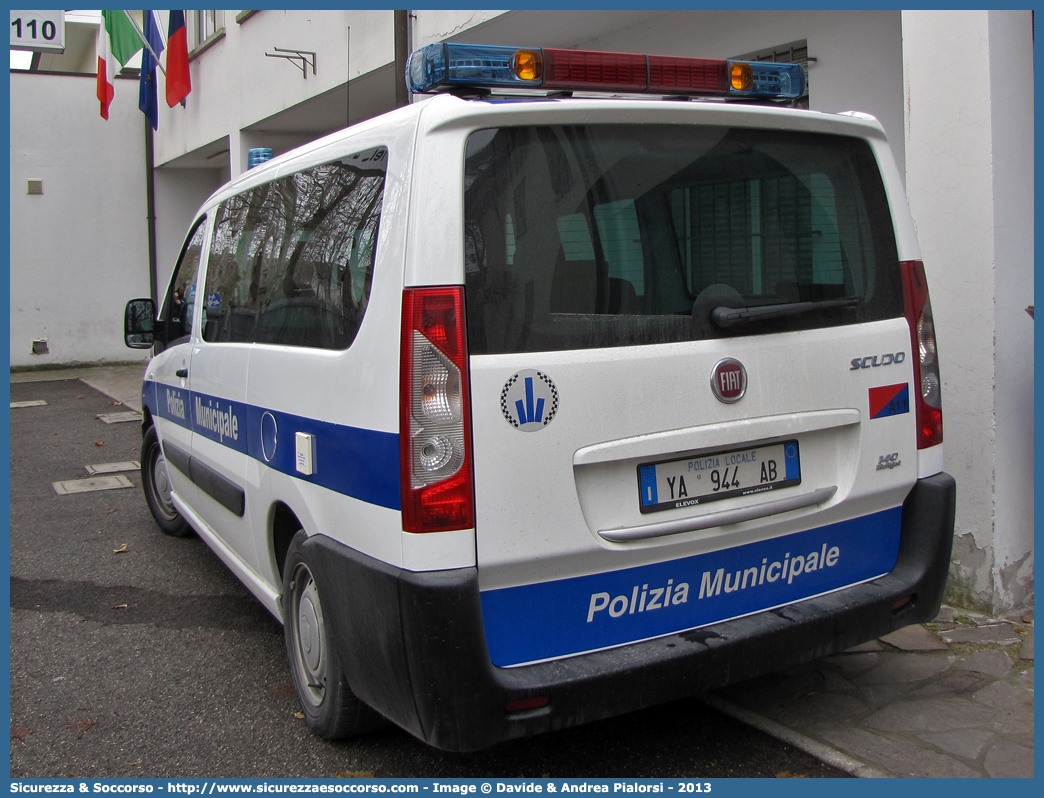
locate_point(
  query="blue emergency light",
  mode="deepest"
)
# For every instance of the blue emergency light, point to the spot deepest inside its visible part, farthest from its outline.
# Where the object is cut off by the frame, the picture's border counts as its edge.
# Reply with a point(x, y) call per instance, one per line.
point(447, 66)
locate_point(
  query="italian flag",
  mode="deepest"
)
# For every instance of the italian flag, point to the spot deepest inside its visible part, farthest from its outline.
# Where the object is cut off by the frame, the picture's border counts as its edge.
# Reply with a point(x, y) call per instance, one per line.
point(118, 40)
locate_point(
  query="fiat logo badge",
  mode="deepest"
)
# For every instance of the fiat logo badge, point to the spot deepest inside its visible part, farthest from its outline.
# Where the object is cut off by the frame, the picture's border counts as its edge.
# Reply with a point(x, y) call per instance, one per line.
point(729, 380)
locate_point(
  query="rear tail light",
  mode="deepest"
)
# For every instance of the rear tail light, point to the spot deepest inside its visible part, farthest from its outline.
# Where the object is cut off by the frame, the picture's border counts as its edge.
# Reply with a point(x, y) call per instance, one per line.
point(434, 413)
point(918, 310)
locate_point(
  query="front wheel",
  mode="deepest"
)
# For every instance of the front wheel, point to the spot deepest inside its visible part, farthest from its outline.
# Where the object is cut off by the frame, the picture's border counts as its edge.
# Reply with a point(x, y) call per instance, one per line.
point(330, 707)
point(156, 484)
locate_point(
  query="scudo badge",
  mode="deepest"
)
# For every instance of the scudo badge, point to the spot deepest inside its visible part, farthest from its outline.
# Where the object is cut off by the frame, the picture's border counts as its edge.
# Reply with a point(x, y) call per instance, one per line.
point(729, 380)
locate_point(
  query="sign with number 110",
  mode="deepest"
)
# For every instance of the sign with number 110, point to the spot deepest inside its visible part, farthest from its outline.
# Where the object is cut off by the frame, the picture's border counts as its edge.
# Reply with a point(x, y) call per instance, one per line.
point(39, 31)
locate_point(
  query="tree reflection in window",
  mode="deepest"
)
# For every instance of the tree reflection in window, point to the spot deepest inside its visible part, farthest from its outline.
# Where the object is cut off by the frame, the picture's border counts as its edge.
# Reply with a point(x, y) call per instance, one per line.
point(292, 260)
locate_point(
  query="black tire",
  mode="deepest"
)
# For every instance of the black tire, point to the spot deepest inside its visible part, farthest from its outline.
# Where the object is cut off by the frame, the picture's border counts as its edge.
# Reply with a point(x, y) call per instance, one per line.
point(156, 484)
point(330, 707)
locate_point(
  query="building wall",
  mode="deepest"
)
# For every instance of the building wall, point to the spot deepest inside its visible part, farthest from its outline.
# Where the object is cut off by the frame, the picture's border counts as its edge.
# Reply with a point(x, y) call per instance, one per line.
point(244, 98)
point(236, 85)
point(179, 192)
point(1011, 129)
point(969, 181)
point(243, 90)
point(79, 251)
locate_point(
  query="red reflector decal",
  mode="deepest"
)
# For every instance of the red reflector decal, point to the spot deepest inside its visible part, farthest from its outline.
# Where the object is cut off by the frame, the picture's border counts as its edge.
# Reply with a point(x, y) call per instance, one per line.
point(522, 704)
point(889, 400)
point(898, 604)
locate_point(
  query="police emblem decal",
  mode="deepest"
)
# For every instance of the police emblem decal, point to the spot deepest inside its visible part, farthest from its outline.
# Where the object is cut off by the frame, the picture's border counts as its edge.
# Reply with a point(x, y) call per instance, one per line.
point(529, 400)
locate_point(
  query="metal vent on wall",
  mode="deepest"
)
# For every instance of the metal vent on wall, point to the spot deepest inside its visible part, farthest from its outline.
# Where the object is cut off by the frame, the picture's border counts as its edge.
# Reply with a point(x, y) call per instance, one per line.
point(34, 185)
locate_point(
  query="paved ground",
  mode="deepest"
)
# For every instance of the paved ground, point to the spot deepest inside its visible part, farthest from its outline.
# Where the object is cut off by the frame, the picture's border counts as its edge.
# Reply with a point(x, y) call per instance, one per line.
point(953, 698)
point(122, 383)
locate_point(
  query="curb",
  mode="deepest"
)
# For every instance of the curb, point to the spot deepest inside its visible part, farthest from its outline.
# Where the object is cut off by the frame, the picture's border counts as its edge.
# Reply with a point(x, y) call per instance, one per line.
point(824, 753)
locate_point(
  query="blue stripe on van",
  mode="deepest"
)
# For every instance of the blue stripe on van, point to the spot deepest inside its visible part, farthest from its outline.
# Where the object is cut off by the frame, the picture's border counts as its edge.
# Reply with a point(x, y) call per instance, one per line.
point(361, 463)
point(611, 609)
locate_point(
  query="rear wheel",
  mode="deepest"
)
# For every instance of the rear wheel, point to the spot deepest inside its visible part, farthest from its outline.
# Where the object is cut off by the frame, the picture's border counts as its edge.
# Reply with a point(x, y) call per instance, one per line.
point(156, 484)
point(330, 707)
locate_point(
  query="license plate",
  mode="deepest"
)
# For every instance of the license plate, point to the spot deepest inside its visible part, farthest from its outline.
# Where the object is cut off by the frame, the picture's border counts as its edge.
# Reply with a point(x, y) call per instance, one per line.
point(693, 481)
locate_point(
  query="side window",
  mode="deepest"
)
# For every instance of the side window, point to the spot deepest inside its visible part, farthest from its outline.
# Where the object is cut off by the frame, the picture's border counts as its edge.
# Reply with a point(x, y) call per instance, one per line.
point(621, 241)
point(577, 274)
point(229, 298)
point(763, 237)
point(292, 260)
point(175, 316)
point(576, 238)
point(827, 262)
point(575, 279)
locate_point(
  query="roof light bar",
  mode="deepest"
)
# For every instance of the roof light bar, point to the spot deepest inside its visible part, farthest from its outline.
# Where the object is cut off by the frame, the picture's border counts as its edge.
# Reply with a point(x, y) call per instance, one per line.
point(448, 65)
point(440, 66)
point(572, 69)
point(766, 78)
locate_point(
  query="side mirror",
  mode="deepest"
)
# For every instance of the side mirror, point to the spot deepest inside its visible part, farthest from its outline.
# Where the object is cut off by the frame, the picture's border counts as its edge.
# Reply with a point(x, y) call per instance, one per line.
point(138, 322)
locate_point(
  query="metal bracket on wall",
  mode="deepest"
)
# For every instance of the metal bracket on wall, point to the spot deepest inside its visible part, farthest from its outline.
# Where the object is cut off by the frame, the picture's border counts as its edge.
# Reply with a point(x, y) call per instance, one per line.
point(306, 57)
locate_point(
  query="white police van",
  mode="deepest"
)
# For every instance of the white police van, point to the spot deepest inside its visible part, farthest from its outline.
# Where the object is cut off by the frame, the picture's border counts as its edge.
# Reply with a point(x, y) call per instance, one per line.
point(521, 412)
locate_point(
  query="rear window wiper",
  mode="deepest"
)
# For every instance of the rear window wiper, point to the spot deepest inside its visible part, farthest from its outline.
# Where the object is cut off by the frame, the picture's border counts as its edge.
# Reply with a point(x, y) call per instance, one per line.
point(730, 317)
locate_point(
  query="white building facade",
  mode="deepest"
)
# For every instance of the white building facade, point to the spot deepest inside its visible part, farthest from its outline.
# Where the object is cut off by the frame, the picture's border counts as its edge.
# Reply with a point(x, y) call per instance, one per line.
point(953, 89)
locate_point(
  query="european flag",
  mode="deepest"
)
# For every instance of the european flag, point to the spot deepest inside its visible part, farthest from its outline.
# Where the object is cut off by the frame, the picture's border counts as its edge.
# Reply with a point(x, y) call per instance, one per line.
point(147, 80)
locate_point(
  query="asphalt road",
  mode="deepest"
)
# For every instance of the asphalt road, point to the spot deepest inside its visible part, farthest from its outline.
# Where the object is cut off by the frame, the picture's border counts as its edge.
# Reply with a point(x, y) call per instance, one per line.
point(134, 654)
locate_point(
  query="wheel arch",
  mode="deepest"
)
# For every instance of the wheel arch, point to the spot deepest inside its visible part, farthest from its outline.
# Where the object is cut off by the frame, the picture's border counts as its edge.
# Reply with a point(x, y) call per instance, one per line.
point(284, 524)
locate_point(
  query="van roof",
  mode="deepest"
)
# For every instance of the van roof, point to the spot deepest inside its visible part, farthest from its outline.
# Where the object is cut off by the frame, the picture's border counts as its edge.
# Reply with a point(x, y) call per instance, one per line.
point(432, 112)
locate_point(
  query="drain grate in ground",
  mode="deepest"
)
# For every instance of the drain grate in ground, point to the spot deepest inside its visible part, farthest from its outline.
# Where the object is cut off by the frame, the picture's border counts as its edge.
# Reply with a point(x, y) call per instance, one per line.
point(112, 468)
point(88, 485)
point(118, 418)
point(30, 403)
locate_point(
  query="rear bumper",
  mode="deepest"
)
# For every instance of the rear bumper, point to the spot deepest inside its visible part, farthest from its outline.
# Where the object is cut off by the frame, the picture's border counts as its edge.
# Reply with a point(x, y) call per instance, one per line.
point(414, 648)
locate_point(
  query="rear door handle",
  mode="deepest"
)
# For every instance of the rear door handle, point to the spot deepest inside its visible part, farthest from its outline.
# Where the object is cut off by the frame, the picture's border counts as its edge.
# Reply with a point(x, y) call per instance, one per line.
point(183, 373)
point(721, 518)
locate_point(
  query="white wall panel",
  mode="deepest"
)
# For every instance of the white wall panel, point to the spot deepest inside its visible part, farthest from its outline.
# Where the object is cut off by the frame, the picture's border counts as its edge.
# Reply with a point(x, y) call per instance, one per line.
point(80, 250)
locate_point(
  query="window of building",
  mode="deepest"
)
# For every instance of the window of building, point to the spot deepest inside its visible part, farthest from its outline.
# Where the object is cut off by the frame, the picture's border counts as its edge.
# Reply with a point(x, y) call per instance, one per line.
point(207, 27)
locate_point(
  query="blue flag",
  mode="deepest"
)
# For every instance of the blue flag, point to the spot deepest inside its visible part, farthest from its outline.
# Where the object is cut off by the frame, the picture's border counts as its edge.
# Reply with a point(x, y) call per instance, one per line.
point(147, 81)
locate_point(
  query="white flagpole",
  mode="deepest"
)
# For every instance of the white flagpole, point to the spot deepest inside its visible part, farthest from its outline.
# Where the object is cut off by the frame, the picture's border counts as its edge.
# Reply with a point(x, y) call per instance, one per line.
point(155, 57)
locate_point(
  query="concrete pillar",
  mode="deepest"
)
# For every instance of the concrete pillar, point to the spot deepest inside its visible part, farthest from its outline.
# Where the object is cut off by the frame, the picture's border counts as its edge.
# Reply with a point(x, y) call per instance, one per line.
point(240, 149)
point(968, 79)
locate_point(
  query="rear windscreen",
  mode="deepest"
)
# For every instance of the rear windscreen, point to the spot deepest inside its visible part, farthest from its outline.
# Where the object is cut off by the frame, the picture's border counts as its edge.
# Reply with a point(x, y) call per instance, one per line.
point(621, 235)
